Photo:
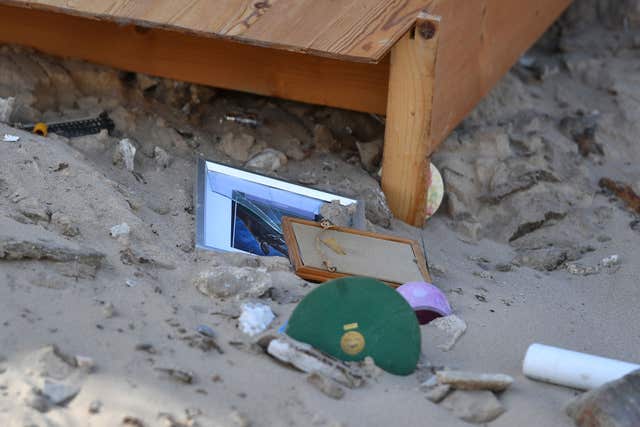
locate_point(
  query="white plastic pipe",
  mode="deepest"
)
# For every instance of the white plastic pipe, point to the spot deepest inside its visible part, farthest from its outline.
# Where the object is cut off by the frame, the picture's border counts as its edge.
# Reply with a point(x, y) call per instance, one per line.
point(572, 369)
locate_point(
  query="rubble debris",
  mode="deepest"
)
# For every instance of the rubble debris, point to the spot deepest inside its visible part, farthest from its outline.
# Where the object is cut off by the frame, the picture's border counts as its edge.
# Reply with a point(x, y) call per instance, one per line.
point(109, 310)
point(125, 153)
point(268, 160)
point(226, 281)
point(324, 140)
point(178, 375)
point(370, 154)
point(59, 393)
point(613, 404)
point(307, 359)
point(162, 158)
point(582, 130)
point(255, 318)
point(10, 138)
point(325, 385)
point(581, 270)
point(237, 147)
point(461, 380)
point(120, 230)
point(623, 192)
point(437, 393)
point(453, 326)
point(7, 106)
point(473, 406)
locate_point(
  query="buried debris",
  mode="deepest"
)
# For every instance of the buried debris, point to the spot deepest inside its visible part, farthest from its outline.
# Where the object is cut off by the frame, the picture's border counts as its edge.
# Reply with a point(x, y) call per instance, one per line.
point(307, 359)
point(461, 380)
point(614, 404)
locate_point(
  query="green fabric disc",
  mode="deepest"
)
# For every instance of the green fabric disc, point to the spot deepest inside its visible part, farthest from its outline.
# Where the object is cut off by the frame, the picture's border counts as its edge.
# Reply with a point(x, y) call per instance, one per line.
point(354, 317)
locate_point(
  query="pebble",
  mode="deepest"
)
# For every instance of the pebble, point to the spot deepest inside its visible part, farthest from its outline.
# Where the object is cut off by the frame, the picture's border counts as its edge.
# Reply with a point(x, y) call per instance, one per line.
point(86, 363)
point(59, 393)
point(120, 230)
point(269, 160)
point(206, 331)
point(178, 375)
point(326, 386)
point(461, 380)
point(109, 310)
point(581, 270)
point(474, 406)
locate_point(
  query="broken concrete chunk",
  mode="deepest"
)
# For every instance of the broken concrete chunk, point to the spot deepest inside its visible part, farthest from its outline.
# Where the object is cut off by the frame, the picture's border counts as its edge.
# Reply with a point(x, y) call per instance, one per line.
point(268, 160)
point(125, 153)
point(438, 393)
point(326, 386)
point(474, 406)
point(237, 147)
point(307, 359)
point(615, 404)
point(461, 380)
point(453, 326)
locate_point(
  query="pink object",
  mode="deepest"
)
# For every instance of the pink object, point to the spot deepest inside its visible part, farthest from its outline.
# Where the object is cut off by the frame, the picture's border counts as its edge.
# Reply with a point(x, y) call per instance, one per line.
point(426, 300)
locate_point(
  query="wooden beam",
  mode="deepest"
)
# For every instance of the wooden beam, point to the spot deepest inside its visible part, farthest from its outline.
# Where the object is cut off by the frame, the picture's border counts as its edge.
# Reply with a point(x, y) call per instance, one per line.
point(208, 61)
point(408, 141)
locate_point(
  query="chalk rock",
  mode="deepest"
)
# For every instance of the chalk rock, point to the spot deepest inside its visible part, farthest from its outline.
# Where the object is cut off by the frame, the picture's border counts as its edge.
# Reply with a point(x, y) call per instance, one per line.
point(307, 359)
point(461, 380)
point(326, 386)
point(370, 154)
point(7, 106)
point(475, 406)
point(162, 158)
point(237, 147)
point(125, 153)
point(268, 160)
point(451, 325)
point(255, 318)
point(614, 404)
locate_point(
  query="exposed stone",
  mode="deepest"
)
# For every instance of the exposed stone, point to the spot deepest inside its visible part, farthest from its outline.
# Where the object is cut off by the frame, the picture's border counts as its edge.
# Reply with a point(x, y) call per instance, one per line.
point(230, 281)
point(461, 380)
point(581, 270)
point(614, 404)
point(339, 215)
point(326, 386)
point(324, 140)
point(453, 326)
point(59, 393)
point(438, 393)
point(237, 147)
point(269, 160)
point(474, 406)
point(370, 154)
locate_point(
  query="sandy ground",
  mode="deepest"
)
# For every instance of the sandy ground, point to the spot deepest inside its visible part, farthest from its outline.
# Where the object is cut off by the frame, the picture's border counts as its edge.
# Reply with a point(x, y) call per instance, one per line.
point(501, 247)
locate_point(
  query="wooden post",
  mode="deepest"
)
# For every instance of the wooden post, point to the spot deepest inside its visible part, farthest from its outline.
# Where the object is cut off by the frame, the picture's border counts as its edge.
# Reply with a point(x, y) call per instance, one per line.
point(407, 142)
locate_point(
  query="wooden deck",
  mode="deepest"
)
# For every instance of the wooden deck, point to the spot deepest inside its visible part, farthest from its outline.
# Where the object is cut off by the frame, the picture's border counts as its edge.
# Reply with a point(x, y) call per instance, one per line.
point(423, 63)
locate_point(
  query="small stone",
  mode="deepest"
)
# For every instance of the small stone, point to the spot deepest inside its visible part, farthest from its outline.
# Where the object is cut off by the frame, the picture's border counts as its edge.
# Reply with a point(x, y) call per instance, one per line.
point(323, 139)
point(268, 160)
point(162, 158)
point(581, 270)
point(610, 261)
point(461, 380)
point(255, 318)
point(614, 404)
point(120, 230)
point(206, 331)
point(370, 154)
point(178, 375)
point(85, 363)
point(95, 406)
point(147, 348)
point(237, 147)
point(326, 386)
point(125, 153)
point(438, 393)
point(129, 421)
point(475, 406)
point(504, 268)
point(7, 106)
point(109, 310)
point(453, 326)
point(59, 393)
point(65, 224)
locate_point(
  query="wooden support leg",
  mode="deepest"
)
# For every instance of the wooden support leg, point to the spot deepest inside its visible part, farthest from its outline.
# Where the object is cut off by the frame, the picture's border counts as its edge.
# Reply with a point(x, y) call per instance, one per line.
point(407, 142)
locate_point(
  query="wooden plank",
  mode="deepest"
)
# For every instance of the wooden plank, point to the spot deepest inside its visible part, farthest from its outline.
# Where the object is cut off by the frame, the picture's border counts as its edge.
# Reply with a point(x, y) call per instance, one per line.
point(356, 30)
point(282, 74)
point(480, 41)
point(408, 141)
